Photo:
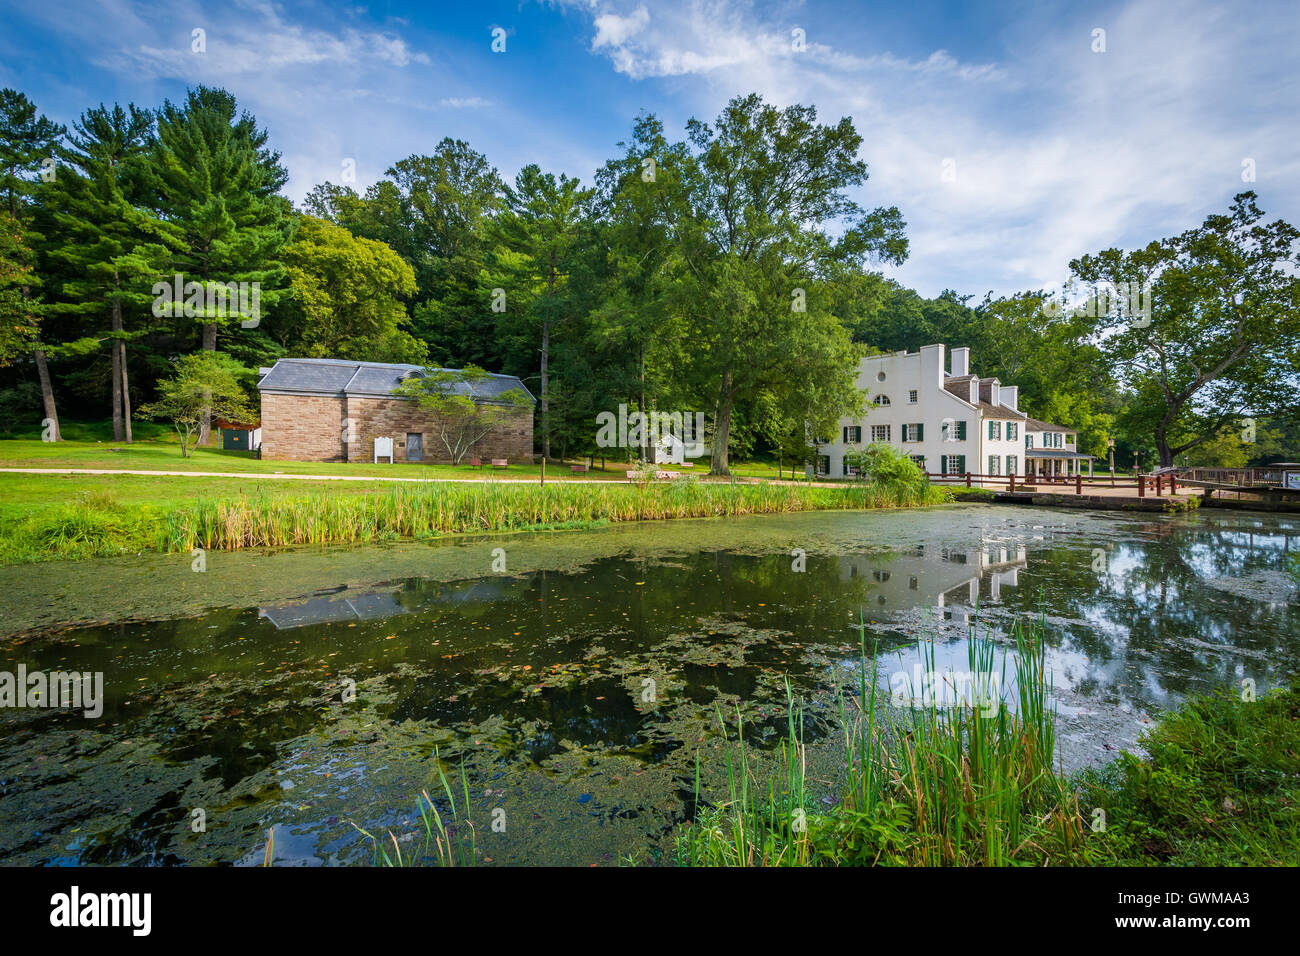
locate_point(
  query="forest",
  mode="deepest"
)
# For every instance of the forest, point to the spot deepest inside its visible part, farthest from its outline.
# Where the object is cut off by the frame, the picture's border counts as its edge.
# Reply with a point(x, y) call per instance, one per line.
point(730, 271)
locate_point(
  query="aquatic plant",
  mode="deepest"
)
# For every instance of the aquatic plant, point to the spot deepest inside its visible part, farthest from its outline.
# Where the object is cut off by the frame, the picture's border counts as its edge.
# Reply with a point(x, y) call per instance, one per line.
point(924, 785)
point(439, 508)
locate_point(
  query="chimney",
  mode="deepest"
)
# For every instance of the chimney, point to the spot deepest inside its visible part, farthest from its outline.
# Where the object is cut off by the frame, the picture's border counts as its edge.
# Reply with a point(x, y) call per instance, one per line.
point(960, 361)
point(1011, 396)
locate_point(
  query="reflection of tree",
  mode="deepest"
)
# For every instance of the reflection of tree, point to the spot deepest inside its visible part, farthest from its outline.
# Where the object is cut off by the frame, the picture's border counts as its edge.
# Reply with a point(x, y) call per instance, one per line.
point(1152, 625)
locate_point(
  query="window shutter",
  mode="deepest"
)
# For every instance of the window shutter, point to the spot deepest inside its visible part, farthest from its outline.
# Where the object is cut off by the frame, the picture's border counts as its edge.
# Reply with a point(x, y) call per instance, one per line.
point(961, 464)
point(920, 432)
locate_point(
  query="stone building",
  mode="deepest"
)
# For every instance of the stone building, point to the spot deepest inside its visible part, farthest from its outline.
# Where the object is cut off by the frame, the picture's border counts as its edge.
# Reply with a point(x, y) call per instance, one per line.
point(334, 410)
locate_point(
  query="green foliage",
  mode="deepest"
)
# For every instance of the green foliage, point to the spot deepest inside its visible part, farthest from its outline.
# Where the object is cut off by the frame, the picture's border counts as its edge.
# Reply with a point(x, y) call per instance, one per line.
point(205, 383)
point(346, 297)
point(1224, 328)
point(461, 418)
point(1220, 786)
point(887, 466)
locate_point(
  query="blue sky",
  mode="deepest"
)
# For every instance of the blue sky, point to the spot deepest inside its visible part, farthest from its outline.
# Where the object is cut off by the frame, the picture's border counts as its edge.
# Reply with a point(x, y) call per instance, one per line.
point(1056, 149)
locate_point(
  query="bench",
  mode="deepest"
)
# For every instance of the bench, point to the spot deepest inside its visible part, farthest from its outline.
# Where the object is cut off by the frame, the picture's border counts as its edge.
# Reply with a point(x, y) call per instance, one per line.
point(667, 475)
point(578, 469)
point(500, 463)
point(476, 462)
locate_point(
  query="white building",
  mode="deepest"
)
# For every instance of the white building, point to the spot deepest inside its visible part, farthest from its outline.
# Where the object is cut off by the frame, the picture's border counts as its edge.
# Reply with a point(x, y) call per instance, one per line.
point(948, 421)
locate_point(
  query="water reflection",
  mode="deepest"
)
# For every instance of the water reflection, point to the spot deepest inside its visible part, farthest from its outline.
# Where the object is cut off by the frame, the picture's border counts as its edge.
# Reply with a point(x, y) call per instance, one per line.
point(580, 701)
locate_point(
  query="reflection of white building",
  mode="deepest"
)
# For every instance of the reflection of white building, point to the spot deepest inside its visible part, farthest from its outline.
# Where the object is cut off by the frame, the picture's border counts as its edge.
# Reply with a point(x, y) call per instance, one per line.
point(937, 577)
point(947, 420)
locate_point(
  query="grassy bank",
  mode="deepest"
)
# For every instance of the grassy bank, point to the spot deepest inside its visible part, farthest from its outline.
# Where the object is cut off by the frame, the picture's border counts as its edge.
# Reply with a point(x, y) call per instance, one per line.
point(100, 524)
point(1220, 786)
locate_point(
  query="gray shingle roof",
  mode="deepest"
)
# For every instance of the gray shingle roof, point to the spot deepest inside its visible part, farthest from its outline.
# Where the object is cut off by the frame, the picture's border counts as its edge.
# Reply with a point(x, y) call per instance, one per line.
point(336, 377)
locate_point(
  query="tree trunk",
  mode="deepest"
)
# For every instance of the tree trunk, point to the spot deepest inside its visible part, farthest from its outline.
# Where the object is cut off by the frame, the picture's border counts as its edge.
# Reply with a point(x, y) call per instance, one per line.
point(546, 400)
point(644, 453)
point(209, 345)
point(47, 394)
point(126, 393)
point(117, 371)
point(722, 430)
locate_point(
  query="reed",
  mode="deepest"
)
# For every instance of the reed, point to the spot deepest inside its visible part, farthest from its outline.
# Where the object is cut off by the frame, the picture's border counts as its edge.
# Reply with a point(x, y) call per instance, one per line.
point(929, 785)
point(422, 511)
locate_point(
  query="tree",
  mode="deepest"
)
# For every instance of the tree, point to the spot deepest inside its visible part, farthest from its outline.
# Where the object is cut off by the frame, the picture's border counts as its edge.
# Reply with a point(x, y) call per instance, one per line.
point(204, 383)
point(756, 267)
point(211, 173)
point(1223, 331)
point(28, 141)
point(461, 420)
point(16, 264)
point(541, 234)
point(346, 297)
point(111, 251)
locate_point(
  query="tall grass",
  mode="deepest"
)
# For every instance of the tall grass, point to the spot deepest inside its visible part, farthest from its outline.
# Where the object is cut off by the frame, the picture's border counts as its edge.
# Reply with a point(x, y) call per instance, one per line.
point(421, 511)
point(929, 785)
point(449, 842)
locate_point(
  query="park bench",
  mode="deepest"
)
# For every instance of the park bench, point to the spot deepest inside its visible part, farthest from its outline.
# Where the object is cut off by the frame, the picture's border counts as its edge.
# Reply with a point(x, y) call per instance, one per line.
point(500, 463)
point(667, 475)
point(476, 462)
point(578, 469)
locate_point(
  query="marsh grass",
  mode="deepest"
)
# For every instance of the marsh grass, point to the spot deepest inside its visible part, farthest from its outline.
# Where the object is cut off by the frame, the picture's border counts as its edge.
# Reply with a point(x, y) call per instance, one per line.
point(923, 785)
point(437, 509)
point(441, 842)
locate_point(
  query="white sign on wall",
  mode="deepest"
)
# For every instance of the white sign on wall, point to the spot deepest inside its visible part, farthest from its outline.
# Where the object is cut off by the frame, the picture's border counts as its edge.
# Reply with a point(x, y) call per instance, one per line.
point(1293, 480)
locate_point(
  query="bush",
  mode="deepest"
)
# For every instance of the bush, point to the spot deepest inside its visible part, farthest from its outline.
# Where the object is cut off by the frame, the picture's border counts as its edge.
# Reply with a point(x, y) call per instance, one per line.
point(885, 465)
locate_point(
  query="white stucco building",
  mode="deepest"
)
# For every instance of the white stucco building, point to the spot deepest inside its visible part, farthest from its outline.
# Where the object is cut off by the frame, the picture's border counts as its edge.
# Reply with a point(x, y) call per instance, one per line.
point(948, 420)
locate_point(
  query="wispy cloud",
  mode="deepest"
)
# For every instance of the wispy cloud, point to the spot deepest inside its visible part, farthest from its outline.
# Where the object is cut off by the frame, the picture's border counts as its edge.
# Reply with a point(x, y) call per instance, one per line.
point(1052, 149)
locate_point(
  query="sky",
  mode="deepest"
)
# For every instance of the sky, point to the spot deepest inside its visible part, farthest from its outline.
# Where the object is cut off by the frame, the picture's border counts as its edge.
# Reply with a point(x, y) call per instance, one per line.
point(1012, 136)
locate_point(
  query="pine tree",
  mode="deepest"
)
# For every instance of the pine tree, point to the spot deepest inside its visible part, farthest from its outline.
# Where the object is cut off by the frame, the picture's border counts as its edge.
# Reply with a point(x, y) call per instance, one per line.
point(111, 250)
point(209, 172)
point(28, 142)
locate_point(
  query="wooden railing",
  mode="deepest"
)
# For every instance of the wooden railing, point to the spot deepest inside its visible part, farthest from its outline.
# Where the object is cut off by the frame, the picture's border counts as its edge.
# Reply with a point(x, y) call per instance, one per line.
point(1245, 477)
point(1159, 485)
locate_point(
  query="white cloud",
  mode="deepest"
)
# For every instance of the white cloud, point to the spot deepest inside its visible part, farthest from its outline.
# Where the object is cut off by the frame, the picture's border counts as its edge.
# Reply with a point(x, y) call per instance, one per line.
point(1059, 151)
point(614, 31)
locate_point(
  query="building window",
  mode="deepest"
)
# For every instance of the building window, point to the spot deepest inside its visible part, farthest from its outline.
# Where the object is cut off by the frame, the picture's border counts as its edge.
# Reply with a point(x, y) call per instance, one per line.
point(823, 464)
point(954, 431)
point(961, 431)
point(912, 583)
point(954, 464)
point(993, 464)
point(880, 376)
point(1013, 431)
point(920, 461)
point(995, 432)
point(911, 397)
point(1012, 464)
point(847, 470)
point(1029, 440)
point(915, 432)
point(880, 433)
point(883, 400)
point(852, 434)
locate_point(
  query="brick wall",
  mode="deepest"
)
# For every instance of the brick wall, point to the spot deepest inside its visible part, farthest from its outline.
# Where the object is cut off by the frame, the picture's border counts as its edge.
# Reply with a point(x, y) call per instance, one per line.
point(309, 428)
point(302, 427)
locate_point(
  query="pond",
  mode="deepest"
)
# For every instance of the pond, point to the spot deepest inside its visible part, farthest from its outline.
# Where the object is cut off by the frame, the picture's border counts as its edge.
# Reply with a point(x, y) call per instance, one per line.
point(573, 682)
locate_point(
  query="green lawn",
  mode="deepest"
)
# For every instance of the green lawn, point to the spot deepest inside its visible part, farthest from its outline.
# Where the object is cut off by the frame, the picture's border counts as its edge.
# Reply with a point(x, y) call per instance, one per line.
point(156, 455)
